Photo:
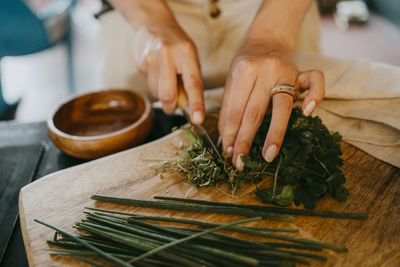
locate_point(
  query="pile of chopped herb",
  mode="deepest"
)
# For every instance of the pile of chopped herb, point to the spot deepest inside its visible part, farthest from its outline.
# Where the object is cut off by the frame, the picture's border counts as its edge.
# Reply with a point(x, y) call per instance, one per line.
point(305, 170)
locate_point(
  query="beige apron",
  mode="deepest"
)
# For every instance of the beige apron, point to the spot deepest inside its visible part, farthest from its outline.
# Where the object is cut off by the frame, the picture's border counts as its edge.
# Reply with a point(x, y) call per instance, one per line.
point(362, 98)
point(217, 40)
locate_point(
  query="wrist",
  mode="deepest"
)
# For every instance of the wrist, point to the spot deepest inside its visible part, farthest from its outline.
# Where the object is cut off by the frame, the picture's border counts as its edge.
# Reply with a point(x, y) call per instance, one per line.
point(268, 43)
point(278, 22)
point(145, 13)
point(270, 40)
point(147, 17)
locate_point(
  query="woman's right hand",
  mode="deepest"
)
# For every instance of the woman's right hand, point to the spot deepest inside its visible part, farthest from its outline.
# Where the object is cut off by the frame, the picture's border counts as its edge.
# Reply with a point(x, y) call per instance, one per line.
point(163, 51)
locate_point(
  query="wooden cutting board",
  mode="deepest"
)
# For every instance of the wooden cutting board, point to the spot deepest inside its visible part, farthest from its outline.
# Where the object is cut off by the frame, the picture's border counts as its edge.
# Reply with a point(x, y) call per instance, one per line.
point(59, 199)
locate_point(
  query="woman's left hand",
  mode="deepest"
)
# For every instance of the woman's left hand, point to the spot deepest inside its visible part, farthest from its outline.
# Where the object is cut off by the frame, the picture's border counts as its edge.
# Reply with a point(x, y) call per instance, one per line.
point(254, 72)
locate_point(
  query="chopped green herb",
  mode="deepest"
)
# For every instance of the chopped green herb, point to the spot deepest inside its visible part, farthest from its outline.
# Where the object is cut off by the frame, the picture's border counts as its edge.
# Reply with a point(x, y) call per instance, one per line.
point(306, 166)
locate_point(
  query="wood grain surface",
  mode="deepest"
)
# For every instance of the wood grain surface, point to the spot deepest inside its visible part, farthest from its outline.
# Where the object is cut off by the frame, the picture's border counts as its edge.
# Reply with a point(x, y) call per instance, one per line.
point(59, 199)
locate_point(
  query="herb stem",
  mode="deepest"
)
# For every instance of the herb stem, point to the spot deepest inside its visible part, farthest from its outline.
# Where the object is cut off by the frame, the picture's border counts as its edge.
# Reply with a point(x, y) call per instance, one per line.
point(191, 207)
point(207, 224)
point(202, 251)
point(250, 261)
point(276, 177)
point(334, 247)
point(133, 241)
point(86, 244)
point(307, 212)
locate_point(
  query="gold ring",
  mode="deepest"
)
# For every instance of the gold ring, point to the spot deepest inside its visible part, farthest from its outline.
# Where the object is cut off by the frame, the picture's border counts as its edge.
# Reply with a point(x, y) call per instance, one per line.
point(285, 88)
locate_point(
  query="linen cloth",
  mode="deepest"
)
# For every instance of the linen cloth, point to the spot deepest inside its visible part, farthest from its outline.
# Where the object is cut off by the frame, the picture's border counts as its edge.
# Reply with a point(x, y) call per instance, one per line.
point(362, 98)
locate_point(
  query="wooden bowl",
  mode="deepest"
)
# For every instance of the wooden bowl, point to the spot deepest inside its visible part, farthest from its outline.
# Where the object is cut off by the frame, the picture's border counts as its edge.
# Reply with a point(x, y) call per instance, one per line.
point(96, 124)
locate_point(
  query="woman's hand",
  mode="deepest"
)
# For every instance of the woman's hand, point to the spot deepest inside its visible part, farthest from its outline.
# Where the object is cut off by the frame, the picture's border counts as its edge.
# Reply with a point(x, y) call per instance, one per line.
point(254, 72)
point(163, 51)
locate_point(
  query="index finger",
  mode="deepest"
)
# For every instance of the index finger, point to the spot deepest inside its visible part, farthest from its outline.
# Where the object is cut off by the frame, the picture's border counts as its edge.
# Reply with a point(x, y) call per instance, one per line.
point(238, 91)
point(193, 84)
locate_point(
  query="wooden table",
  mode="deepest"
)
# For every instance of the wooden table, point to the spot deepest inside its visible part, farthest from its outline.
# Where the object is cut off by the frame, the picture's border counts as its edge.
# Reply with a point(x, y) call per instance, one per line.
point(28, 154)
point(374, 188)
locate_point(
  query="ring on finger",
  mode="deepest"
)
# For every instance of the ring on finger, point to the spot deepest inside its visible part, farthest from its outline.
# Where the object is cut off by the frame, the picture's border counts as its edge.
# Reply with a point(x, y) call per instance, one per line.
point(286, 89)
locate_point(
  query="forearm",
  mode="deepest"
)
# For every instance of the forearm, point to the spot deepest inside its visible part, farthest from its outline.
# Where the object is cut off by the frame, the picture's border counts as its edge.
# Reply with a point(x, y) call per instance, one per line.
point(144, 12)
point(278, 22)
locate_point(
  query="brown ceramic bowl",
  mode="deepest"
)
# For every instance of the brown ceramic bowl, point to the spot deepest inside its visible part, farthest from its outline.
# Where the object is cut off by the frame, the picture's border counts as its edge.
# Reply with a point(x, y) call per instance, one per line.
point(96, 124)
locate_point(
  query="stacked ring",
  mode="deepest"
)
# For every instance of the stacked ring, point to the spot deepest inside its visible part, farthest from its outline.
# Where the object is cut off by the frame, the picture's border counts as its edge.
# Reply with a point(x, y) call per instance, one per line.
point(286, 89)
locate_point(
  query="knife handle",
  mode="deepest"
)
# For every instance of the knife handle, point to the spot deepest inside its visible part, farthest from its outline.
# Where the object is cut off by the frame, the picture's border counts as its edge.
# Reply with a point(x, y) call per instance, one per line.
point(182, 101)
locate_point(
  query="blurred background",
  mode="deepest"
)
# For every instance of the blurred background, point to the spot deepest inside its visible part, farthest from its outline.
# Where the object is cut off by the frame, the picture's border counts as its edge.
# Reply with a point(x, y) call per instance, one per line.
point(38, 71)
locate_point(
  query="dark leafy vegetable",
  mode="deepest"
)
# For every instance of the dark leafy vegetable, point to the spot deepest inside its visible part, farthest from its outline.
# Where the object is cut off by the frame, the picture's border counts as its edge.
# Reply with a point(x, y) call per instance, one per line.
point(307, 166)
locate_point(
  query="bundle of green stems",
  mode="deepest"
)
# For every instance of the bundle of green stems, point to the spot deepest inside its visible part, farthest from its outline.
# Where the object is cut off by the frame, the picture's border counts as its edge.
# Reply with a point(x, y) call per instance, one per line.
point(131, 239)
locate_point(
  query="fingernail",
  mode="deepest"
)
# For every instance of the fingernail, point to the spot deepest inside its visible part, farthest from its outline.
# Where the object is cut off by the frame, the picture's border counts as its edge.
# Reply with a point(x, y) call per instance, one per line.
point(239, 162)
point(270, 153)
point(229, 151)
point(197, 117)
point(309, 108)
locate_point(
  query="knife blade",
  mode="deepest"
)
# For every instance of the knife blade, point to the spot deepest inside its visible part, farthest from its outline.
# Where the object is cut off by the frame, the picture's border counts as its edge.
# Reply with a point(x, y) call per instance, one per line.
point(199, 129)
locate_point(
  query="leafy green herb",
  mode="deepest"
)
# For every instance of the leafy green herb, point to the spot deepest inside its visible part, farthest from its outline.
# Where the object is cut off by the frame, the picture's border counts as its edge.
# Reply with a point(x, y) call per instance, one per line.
point(284, 198)
point(306, 166)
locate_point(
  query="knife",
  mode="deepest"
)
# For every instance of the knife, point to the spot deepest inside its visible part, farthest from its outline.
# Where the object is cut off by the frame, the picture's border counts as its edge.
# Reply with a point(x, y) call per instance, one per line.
point(199, 129)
